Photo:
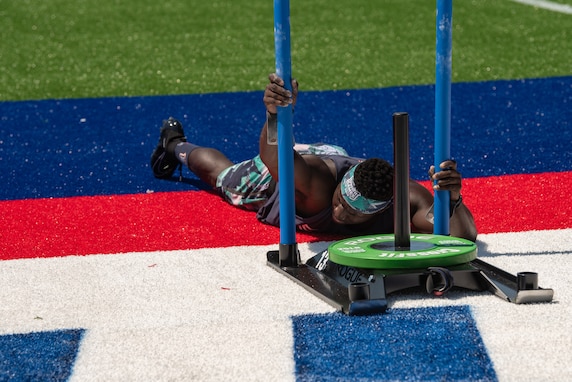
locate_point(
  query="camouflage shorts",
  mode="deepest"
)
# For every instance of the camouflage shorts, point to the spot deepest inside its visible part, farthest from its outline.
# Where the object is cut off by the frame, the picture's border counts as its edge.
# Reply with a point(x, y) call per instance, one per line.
point(246, 184)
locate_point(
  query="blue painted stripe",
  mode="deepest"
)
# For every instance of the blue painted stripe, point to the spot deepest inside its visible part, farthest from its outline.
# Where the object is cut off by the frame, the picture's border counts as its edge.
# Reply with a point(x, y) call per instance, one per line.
point(62, 148)
point(421, 344)
point(40, 356)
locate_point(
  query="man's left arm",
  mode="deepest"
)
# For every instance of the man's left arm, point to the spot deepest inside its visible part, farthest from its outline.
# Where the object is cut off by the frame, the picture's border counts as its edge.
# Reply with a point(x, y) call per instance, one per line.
point(461, 222)
point(449, 178)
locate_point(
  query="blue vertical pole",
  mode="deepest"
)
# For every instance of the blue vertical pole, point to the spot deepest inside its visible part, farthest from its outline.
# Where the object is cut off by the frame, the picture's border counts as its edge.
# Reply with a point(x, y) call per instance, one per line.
point(285, 134)
point(443, 65)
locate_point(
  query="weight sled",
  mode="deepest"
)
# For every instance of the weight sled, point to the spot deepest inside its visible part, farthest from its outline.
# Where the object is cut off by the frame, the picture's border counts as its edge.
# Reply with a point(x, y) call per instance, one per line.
point(355, 275)
point(364, 291)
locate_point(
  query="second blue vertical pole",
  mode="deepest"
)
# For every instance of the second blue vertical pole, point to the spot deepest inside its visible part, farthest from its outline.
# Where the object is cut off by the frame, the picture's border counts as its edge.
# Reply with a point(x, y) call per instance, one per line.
point(443, 67)
point(288, 251)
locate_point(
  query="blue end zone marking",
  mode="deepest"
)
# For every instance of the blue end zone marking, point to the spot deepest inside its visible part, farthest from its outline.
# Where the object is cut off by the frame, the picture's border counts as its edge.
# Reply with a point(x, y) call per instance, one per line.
point(102, 146)
point(41, 356)
point(422, 344)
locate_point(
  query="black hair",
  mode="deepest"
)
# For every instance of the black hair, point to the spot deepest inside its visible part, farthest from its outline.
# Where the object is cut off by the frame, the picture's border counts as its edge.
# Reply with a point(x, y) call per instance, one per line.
point(374, 179)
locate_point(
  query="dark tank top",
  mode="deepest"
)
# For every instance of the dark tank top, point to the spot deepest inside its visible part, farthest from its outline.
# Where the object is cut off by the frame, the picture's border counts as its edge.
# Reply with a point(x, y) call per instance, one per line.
point(269, 213)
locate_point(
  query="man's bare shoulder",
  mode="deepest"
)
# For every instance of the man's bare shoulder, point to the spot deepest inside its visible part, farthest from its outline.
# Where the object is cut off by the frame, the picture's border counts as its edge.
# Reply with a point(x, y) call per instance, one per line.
point(321, 165)
point(319, 189)
point(419, 195)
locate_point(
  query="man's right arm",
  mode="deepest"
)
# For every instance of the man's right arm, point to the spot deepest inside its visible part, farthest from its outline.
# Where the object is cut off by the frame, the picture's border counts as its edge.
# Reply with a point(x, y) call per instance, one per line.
point(275, 96)
point(311, 182)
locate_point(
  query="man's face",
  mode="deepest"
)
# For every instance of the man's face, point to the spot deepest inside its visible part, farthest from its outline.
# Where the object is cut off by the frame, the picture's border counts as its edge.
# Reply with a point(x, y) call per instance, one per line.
point(342, 213)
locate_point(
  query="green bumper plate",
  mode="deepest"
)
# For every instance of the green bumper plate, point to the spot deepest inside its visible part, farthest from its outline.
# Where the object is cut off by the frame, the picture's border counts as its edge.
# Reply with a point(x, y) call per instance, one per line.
point(379, 252)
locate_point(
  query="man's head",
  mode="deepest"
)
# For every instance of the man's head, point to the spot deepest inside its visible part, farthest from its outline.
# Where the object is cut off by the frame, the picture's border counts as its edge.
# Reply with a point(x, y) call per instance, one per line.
point(365, 190)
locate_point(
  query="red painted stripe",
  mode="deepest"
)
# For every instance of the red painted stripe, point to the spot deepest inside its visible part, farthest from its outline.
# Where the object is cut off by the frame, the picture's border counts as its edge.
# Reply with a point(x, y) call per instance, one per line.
point(126, 223)
point(187, 220)
point(516, 203)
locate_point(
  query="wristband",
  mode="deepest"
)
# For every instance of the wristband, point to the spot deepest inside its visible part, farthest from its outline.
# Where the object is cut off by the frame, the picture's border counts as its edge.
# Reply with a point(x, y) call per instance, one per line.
point(454, 204)
point(271, 128)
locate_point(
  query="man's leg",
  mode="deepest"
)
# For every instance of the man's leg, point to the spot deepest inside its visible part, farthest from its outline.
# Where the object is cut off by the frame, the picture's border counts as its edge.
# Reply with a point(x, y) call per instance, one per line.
point(174, 150)
point(207, 163)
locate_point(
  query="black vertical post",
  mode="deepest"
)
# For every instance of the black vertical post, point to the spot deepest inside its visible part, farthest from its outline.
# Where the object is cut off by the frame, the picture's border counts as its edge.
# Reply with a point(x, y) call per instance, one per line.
point(401, 217)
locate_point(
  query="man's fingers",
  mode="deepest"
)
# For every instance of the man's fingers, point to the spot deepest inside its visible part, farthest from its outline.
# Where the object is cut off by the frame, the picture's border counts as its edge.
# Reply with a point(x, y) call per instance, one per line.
point(449, 164)
point(294, 84)
point(448, 181)
point(431, 172)
point(275, 99)
point(278, 93)
point(447, 174)
point(273, 77)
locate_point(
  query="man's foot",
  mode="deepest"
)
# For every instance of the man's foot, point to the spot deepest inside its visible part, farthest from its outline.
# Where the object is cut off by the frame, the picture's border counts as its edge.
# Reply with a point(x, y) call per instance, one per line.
point(163, 160)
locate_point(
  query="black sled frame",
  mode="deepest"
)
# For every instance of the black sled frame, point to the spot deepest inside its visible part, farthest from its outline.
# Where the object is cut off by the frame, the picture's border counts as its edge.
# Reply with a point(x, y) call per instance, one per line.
point(357, 291)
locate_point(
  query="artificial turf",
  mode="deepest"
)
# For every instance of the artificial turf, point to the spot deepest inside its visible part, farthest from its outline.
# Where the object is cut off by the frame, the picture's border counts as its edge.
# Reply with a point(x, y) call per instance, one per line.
point(95, 48)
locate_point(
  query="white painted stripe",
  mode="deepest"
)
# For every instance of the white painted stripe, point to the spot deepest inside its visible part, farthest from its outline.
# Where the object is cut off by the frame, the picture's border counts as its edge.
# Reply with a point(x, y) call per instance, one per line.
point(222, 314)
point(556, 7)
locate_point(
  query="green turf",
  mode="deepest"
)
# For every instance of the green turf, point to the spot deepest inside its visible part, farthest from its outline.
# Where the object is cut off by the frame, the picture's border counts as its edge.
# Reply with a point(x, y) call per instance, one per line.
point(92, 48)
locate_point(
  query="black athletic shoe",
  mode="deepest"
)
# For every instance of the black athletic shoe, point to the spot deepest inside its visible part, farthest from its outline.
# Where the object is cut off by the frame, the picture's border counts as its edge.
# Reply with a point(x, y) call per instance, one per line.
point(163, 160)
